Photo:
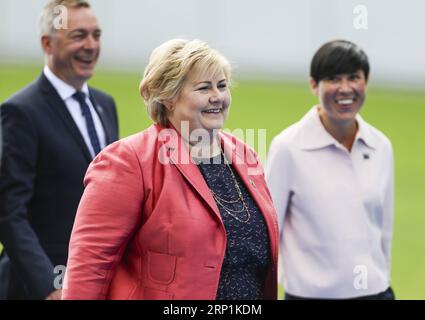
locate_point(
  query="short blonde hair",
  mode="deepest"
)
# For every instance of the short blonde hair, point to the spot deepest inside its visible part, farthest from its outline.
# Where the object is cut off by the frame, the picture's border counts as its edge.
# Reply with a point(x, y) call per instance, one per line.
point(49, 13)
point(169, 64)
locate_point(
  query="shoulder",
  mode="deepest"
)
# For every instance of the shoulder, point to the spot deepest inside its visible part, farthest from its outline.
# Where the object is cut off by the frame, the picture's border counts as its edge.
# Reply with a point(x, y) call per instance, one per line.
point(235, 141)
point(25, 98)
point(284, 147)
point(382, 138)
point(286, 141)
point(242, 148)
point(119, 164)
point(21, 110)
point(132, 155)
point(246, 156)
point(379, 138)
point(287, 137)
point(135, 145)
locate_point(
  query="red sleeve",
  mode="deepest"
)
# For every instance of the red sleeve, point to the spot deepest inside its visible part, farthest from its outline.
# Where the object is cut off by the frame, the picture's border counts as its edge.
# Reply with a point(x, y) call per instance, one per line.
point(108, 215)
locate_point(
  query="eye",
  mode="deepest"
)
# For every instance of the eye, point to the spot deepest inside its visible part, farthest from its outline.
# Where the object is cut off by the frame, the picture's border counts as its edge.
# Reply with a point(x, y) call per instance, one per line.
point(354, 76)
point(222, 85)
point(78, 36)
point(332, 78)
point(96, 35)
point(204, 88)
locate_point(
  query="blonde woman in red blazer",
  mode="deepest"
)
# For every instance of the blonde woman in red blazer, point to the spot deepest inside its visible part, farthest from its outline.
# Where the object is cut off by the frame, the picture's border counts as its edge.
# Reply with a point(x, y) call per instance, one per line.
point(180, 210)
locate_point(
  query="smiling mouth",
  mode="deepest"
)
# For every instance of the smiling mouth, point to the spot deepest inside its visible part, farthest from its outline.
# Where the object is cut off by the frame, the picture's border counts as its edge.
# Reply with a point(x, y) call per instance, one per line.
point(85, 60)
point(346, 101)
point(213, 111)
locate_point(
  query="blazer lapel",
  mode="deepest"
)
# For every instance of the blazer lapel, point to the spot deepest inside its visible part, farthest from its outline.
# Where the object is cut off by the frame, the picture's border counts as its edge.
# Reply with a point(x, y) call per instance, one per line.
point(58, 107)
point(179, 156)
point(246, 165)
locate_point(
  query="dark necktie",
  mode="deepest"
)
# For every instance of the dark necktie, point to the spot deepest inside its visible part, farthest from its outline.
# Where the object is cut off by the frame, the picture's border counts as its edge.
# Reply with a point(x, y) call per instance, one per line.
point(85, 110)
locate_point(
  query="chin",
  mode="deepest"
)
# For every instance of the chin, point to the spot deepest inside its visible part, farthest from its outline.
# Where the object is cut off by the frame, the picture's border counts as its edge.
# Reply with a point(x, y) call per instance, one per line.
point(84, 72)
point(213, 127)
point(218, 125)
point(85, 75)
point(348, 117)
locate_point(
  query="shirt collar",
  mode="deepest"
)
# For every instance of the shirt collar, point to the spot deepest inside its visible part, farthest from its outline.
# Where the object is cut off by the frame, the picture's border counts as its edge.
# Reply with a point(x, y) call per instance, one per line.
point(313, 134)
point(365, 133)
point(64, 90)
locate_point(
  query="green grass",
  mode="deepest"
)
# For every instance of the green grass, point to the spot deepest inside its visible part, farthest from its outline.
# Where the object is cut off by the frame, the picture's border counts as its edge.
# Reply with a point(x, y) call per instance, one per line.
point(273, 105)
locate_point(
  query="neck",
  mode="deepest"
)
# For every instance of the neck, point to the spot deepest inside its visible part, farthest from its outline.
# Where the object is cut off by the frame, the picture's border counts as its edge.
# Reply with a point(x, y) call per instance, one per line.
point(206, 145)
point(343, 131)
point(75, 83)
point(205, 150)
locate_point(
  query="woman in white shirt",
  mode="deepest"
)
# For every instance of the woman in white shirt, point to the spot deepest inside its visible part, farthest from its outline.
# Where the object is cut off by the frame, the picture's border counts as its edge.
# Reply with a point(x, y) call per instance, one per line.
point(331, 179)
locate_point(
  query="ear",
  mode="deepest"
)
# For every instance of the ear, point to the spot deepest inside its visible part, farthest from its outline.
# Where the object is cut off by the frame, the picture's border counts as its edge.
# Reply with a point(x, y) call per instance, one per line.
point(46, 43)
point(314, 86)
point(168, 104)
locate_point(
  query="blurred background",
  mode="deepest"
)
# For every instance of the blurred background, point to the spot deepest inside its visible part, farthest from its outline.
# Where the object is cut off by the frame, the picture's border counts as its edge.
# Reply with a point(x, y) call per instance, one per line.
point(270, 44)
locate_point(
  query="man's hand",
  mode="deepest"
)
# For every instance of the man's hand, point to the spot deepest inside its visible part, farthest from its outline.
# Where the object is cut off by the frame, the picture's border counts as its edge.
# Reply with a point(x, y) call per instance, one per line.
point(55, 295)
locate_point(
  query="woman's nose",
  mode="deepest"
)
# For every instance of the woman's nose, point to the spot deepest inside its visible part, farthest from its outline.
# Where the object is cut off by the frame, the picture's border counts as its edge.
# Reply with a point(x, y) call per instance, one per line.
point(345, 86)
point(216, 96)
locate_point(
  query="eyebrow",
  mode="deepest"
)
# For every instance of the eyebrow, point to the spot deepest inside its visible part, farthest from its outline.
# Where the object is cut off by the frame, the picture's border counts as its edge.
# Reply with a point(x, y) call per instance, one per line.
point(83, 31)
point(209, 82)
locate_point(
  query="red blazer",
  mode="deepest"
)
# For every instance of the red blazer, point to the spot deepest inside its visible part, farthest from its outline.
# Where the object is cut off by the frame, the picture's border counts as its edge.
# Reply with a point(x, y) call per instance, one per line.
point(147, 226)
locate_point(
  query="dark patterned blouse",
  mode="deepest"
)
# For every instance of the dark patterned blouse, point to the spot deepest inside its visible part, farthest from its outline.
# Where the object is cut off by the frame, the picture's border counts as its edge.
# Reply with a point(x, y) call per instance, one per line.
point(248, 250)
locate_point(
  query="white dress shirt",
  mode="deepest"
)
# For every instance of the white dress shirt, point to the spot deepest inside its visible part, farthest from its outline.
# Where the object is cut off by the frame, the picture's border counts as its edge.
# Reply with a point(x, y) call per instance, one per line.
point(335, 209)
point(66, 91)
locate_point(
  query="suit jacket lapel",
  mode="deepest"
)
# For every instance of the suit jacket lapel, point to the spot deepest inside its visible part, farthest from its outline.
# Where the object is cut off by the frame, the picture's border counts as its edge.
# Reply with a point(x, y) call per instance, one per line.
point(103, 118)
point(58, 107)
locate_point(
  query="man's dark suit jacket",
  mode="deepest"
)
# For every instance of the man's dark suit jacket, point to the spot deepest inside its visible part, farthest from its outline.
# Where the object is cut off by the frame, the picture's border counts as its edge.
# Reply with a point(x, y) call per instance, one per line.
point(41, 182)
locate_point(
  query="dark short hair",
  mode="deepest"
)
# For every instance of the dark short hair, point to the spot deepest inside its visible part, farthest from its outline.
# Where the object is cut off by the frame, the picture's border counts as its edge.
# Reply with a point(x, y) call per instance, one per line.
point(338, 57)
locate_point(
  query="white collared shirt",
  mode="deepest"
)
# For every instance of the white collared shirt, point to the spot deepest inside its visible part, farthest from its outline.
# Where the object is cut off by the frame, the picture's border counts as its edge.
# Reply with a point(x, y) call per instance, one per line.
point(66, 91)
point(335, 209)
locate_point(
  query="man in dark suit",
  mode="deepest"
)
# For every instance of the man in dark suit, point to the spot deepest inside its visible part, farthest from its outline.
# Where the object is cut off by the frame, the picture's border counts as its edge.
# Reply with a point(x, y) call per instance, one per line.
point(51, 130)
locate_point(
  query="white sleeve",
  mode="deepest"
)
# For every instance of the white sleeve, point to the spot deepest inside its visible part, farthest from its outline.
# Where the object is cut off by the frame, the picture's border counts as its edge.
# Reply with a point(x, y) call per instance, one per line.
point(278, 180)
point(277, 177)
point(388, 218)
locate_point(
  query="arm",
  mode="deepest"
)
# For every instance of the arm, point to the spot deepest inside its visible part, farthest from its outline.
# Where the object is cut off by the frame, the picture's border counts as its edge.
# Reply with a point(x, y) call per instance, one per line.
point(388, 218)
point(17, 178)
point(277, 177)
point(107, 217)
